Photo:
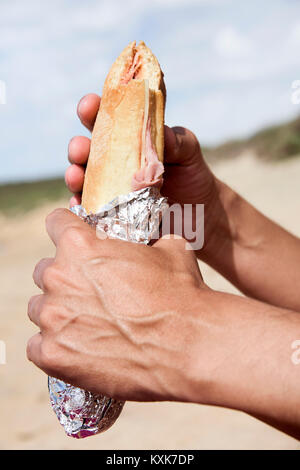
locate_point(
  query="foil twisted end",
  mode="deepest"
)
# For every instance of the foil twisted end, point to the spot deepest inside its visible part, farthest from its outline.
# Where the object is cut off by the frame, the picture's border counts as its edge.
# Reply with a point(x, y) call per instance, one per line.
point(82, 413)
point(133, 217)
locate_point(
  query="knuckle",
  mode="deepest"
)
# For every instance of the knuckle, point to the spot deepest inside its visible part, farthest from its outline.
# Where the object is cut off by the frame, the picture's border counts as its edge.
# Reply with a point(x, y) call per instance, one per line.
point(48, 355)
point(51, 316)
point(29, 348)
point(31, 303)
point(45, 319)
point(74, 236)
point(38, 266)
point(50, 277)
point(36, 269)
point(52, 214)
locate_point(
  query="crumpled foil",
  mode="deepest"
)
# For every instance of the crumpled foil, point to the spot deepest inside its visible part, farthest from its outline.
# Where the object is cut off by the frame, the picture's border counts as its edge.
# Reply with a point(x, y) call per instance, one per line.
point(132, 217)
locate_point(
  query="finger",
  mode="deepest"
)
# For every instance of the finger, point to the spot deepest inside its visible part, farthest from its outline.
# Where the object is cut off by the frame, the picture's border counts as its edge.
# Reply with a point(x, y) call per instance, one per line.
point(74, 178)
point(39, 271)
point(79, 149)
point(34, 349)
point(87, 110)
point(34, 308)
point(181, 145)
point(60, 220)
point(75, 200)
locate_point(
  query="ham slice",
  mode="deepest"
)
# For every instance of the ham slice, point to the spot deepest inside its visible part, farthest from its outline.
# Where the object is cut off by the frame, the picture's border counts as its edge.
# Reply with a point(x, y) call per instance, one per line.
point(151, 173)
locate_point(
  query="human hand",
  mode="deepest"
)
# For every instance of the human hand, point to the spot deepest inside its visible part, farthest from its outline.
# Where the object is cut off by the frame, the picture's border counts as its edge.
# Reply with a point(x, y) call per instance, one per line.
point(137, 323)
point(237, 237)
point(115, 318)
point(187, 178)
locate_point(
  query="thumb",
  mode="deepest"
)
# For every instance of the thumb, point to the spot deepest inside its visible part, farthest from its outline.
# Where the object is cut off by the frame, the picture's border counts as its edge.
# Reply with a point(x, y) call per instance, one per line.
point(184, 257)
point(181, 146)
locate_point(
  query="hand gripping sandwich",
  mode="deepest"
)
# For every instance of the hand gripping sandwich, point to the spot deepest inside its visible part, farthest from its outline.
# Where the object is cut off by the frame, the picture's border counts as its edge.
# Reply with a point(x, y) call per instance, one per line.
point(120, 196)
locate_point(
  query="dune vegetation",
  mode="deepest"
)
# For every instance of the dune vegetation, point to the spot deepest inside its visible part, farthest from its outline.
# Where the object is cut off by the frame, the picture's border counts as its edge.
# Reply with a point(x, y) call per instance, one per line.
point(271, 144)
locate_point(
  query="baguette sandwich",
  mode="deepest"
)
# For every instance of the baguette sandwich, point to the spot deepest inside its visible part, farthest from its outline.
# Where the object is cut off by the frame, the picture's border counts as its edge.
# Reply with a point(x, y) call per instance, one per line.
point(128, 137)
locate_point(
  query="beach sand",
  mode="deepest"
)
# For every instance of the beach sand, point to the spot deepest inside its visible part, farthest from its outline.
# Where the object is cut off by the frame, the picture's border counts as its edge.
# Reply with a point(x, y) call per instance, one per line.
point(27, 421)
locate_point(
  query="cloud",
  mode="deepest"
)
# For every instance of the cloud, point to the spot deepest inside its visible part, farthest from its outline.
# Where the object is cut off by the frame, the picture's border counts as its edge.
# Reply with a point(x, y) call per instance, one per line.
point(230, 43)
point(294, 36)
point(228, 69)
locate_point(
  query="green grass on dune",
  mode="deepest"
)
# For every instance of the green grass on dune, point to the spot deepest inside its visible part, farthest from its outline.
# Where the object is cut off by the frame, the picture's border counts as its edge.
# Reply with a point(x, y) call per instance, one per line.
point(271, 144)
point(278, 142)
point(21, 197)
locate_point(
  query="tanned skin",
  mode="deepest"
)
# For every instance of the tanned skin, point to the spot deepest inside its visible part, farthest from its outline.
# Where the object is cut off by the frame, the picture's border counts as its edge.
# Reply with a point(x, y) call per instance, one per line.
point(146, 315)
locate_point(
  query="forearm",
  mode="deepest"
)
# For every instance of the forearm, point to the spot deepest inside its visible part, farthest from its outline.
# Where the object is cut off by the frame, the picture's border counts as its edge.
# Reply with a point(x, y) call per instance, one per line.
point(258, 256)
point(245, 360)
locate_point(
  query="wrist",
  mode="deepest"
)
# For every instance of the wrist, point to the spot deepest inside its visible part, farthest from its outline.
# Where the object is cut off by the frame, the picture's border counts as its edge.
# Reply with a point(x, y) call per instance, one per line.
point(241, 357)
point(204, 353)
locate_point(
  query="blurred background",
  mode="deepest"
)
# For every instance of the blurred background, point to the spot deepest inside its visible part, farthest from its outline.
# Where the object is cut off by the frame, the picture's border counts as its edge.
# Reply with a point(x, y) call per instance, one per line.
point(233, 77)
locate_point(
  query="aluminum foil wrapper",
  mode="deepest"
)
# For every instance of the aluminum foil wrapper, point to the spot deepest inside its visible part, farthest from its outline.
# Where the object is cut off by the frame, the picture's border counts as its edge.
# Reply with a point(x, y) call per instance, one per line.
point(132, 217)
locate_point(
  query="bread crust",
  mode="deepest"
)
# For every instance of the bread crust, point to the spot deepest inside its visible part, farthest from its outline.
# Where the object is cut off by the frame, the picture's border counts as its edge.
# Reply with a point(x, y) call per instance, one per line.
point(115, 153)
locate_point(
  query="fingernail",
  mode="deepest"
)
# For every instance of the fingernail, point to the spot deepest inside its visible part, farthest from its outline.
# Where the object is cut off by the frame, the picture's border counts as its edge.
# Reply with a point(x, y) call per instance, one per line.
point(80, 105)
point(178, 136)
point(170, 138)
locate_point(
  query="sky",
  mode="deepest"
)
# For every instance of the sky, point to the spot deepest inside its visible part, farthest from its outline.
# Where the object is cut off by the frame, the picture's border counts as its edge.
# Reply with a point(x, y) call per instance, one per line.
point(229, 67)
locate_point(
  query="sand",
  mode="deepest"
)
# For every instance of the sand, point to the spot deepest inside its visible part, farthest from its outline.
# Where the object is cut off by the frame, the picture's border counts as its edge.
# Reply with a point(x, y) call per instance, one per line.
point(27, 421)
